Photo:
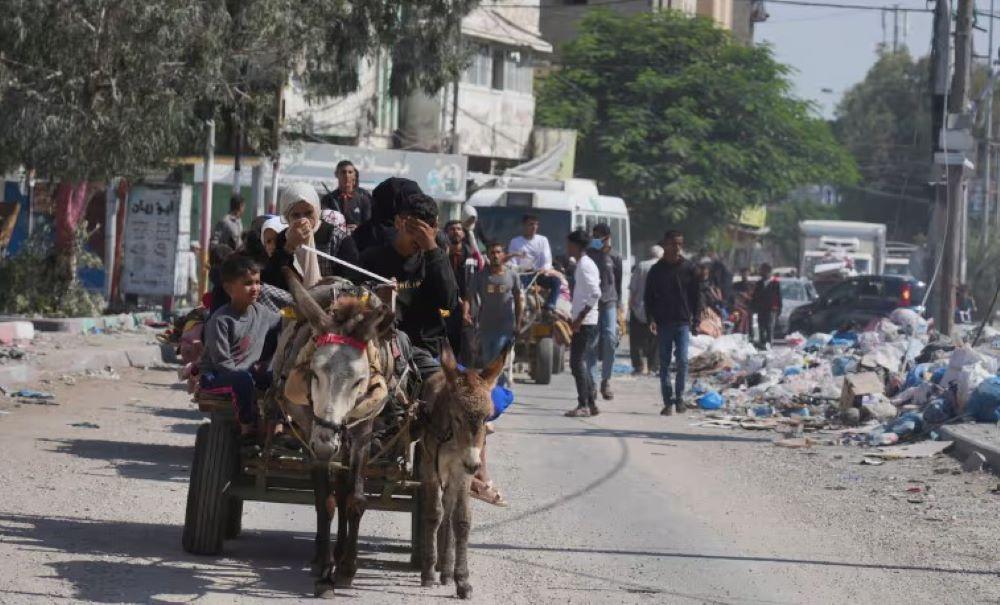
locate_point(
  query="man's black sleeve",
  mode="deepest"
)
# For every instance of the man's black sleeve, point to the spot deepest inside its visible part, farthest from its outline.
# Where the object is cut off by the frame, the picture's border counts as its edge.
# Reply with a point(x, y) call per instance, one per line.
point(649, 296)
point(439, 280)
point(366, 205)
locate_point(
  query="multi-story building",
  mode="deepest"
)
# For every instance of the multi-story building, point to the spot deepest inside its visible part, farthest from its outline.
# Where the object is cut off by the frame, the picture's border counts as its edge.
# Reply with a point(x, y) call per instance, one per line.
point(560, 19)
point(487, 115)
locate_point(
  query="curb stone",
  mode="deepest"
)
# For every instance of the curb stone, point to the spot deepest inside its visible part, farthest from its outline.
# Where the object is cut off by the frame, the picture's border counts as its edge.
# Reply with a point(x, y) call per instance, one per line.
point(967, 444)
point(69, 362)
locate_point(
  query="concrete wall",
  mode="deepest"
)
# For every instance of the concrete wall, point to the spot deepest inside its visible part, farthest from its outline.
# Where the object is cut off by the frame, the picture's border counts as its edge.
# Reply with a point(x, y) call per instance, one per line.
point(367, 116)
point(494, 123)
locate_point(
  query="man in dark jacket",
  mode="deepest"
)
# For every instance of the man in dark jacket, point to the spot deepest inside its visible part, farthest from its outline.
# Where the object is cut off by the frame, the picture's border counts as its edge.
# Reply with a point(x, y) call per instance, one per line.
point(426, 288)
point(348, 198)
point(609, 264)
point(672, 306)
point(766, 303)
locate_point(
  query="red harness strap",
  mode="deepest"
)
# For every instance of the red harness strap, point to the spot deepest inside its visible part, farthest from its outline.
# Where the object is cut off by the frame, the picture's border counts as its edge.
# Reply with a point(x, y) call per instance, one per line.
point(338, 339)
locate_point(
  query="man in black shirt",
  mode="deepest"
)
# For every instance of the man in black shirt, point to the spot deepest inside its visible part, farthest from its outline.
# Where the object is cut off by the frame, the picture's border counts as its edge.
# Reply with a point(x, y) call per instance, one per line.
point(672, 306)
point(348, 198)
point(425, 284)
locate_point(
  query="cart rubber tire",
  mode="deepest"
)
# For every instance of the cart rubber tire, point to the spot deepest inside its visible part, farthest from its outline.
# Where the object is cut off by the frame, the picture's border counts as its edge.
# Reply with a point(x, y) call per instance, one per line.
point(216, 458)
point(559, 359)
point(541, 367)
point(234, 518)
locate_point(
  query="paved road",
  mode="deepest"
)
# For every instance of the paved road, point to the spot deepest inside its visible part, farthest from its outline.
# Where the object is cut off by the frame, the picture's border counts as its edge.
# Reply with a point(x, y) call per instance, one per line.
point(627, 507)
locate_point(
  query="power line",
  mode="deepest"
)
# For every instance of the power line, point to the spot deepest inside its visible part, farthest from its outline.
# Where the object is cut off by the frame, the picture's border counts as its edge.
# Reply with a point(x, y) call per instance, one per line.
point(861, 7)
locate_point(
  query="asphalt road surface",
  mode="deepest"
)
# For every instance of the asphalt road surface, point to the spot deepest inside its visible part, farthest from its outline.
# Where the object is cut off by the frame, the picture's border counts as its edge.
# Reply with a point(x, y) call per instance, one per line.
point(627, 507)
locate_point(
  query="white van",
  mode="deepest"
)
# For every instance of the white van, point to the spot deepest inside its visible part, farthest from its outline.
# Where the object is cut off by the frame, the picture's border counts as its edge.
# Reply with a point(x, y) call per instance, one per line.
point(561, 207)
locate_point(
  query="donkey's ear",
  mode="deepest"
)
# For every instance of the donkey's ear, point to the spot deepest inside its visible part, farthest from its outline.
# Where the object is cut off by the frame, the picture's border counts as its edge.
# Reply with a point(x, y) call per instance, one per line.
point(305, 304)
point(448, 363)
point(370, 325)
point(492, 371)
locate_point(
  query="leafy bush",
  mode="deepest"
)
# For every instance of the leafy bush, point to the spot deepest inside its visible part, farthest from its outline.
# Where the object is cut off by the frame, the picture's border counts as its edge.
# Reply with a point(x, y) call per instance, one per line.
point(31, 285)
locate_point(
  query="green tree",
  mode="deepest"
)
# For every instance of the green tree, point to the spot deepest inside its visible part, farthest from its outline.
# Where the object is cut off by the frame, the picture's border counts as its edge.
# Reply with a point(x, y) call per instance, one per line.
point(686, 124)
point(885, 123)
point(104, 88)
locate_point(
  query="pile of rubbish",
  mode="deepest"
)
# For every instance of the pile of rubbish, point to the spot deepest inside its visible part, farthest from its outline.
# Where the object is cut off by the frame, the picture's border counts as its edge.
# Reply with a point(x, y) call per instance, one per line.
point(894, 382)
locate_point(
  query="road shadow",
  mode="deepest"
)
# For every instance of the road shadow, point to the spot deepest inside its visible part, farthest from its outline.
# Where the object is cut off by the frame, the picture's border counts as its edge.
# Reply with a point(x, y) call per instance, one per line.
point(151, 461)
point(173, 386)
point(630, 434)
point(133, 562)
point(266, 564)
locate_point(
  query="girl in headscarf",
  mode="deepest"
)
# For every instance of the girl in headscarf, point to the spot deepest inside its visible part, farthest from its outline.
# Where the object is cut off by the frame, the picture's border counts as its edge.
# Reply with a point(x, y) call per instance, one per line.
point(269, 232)
point(299, 205)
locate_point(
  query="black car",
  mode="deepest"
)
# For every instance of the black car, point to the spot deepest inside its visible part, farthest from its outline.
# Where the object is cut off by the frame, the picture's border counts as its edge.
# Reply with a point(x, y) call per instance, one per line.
point(856, 301)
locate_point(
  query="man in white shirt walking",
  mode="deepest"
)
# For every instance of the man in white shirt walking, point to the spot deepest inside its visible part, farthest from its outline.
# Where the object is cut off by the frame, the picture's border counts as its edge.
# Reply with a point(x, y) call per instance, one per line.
point(531, 252)
point(586, 295)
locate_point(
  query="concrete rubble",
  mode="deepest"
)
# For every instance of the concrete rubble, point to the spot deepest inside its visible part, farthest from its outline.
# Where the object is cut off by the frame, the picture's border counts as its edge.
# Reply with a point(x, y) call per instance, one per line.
point(895, 382)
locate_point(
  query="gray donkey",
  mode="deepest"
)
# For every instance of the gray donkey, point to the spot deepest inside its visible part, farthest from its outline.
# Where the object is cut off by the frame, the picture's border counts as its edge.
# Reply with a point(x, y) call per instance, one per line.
point(457, 405)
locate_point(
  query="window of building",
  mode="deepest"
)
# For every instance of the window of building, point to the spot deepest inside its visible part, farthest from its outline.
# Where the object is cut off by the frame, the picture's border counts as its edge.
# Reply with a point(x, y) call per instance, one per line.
point(499, 58)
point(518, 74)
point(480, 69)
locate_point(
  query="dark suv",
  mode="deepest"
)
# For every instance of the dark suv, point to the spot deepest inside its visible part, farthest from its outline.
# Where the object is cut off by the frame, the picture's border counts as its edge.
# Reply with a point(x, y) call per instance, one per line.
point(857, 301)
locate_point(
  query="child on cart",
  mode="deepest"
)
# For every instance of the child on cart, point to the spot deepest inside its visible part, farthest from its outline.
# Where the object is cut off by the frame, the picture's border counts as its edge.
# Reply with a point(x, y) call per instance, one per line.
point(240, 338)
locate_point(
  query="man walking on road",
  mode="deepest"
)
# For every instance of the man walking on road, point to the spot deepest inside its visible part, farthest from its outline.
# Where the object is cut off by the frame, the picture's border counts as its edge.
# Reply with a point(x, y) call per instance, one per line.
point(500, 307)
point(642, 343)
point(672, 298)
point(229, 230)
point(349, 198)
point(609, 264)
point(586, 296)
point(766, 303)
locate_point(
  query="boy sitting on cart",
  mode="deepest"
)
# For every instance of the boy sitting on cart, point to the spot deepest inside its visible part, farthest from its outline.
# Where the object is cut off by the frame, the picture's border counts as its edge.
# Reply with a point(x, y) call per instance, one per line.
point(240, 339)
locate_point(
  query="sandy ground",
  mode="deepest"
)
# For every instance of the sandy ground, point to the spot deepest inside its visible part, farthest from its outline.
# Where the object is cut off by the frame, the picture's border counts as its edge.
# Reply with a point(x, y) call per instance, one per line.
point(627, 507)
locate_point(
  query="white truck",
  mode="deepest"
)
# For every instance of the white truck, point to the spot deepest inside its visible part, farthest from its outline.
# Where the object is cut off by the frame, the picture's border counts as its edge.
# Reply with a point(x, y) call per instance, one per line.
point(841, 248)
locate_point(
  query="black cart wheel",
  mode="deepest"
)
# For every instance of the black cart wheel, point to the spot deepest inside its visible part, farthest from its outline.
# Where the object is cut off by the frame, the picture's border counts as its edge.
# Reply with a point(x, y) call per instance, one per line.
point(541, 363)
point(216, 459)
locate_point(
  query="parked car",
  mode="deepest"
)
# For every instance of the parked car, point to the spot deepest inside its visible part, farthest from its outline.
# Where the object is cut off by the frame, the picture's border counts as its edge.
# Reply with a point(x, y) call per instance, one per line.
point(795, 292)
point(857, 301)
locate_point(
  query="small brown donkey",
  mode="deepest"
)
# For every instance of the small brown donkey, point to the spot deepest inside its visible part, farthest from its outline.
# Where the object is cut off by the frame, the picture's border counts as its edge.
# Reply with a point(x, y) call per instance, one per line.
point(458, 403)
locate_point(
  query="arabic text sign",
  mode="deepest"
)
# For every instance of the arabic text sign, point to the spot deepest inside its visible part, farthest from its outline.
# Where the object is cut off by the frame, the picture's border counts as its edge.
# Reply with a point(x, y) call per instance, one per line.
point(439, 175)
point(156, 226)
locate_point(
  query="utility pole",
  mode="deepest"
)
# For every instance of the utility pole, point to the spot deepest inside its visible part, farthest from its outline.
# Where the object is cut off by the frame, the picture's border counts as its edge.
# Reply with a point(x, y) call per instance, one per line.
point(988, 156)
point(940, 75)
point(957, 102)
point(206, 203)
point(895, 28)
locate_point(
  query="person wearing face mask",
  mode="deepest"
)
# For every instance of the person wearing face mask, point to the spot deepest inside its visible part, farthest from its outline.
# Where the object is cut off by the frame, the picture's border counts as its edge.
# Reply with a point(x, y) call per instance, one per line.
point(300, 208)
point(609, 264)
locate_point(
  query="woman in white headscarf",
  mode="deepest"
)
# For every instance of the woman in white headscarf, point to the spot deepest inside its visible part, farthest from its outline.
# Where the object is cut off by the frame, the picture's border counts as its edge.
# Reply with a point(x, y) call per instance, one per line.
point(298, 204)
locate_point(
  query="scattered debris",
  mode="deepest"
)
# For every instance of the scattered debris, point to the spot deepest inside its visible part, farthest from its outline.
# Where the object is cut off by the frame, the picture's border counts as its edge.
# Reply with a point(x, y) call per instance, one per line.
point(872, 461)
point(31, 394)
point(85, 425)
